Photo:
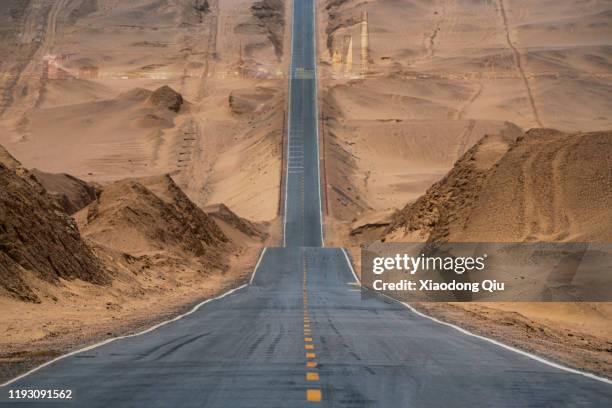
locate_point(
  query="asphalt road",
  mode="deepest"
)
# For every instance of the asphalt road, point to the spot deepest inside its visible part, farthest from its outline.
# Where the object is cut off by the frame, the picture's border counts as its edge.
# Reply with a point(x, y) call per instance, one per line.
point(302, 227)
point(301, 335)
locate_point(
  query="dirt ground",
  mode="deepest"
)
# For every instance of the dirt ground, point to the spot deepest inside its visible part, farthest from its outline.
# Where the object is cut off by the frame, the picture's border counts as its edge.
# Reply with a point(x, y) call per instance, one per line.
point(75, 97)
point(441, 75)
point(32, 333)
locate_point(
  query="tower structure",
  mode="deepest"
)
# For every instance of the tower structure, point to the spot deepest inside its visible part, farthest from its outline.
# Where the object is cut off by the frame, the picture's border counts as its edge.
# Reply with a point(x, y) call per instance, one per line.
point(364, 43)
point(349, 57)
point(336, 61)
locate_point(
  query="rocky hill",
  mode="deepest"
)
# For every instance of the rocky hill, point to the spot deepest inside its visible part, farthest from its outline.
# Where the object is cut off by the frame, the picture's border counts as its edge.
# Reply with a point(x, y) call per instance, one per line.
point(152, 217)
point(38, 240)
point(546, 185)
point(71, 193)
point(123, 227)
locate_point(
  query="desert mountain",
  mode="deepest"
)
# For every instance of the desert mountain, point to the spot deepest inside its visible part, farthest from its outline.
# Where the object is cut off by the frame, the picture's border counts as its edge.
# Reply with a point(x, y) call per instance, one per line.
point(37, 239)
point(544, 186)
point(71, 193)
point(125, 226)
point(152, 217)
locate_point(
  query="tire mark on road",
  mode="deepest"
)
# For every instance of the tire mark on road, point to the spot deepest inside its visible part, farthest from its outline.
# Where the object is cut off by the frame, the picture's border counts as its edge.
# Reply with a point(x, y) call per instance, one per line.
point(181, 345)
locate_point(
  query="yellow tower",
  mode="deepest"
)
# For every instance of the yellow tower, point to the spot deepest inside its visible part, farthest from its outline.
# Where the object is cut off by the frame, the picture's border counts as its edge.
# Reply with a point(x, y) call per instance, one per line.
point(336, 61)
point(349, 57)
point(364, 44)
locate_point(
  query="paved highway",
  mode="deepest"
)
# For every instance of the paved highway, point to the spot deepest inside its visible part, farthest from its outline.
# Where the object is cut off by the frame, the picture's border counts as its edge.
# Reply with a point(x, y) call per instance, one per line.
point(303, 223)
point(300, 335)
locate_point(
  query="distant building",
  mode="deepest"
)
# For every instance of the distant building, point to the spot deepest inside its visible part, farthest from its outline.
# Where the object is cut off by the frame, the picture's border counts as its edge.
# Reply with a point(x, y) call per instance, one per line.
point(89, 72)
point(50, 67)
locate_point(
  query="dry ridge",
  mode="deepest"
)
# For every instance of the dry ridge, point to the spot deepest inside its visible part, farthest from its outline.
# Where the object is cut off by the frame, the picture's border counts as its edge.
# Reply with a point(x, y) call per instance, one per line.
point(548, 185)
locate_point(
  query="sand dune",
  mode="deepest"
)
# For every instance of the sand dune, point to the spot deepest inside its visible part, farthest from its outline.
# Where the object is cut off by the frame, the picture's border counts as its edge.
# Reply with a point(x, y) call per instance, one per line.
point(102, 140)
point(549, 185)
point(148, 216)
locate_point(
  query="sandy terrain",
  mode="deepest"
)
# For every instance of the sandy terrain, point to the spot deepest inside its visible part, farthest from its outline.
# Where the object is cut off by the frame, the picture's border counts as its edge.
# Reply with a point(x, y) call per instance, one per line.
point(64, 284)
point(89, 88)
point(32, 333)
point(577, 335)
point(79, 96)
point(441, 75)
point(144, 102)
point(549, 185)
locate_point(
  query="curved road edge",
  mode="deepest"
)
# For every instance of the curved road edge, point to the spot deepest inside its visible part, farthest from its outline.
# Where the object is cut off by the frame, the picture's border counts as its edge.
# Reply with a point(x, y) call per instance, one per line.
point(140, 333)
point(484, 338)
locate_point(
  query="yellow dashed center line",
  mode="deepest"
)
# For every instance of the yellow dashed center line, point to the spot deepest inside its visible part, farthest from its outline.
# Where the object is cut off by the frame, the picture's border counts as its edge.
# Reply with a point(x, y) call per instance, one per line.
point(312, 376)
point(312, 394)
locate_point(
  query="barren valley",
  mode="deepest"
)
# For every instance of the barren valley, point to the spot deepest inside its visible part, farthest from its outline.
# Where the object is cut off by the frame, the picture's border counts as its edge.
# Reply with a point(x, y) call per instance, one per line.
point(142, 157)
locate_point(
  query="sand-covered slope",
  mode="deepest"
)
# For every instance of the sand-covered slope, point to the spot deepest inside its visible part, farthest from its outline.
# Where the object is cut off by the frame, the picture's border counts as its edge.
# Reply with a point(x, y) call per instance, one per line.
point(548, 185)
point(270, 15)
point(144, 251)
point(71, 193)
point(75, 93)
point(38, 241)
point(439, 75)
point(533, 63)
point(152, 217)
point(240, 152)
point(103, 140)
point(379, 155)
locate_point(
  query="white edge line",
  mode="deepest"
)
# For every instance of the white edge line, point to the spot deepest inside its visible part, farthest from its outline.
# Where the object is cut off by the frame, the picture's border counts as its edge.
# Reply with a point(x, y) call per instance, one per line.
point(507, 347)
point(316, 92)
point(348, 261)
point(487, 339)
point(261, 255)
point(107, 341)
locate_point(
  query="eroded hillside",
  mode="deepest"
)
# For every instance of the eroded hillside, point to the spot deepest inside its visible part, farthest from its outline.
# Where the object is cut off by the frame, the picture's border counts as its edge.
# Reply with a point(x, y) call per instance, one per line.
point(409, 86)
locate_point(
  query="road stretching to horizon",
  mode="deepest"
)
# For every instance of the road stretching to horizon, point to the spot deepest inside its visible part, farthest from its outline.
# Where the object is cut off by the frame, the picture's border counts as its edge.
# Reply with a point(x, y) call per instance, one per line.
point(300, 334)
